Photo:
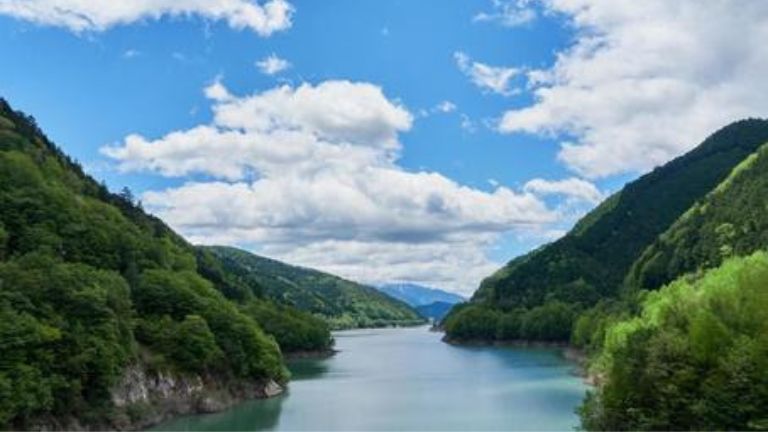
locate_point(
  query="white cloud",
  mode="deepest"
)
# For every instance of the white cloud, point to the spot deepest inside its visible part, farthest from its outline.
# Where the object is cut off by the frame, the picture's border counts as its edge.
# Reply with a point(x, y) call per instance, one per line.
point(509, 13)
point(446, 107)
point(467, 124)
point(308, 174)
point(645, 81)
point(99, 15)
point(573, 188)
point(131, 53)
point(272, 64)
point(217, 91)
point(490, 78)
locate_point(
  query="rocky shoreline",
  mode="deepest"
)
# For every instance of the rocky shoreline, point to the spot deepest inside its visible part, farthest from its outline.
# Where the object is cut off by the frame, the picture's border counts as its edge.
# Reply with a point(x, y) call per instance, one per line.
point(143, 399)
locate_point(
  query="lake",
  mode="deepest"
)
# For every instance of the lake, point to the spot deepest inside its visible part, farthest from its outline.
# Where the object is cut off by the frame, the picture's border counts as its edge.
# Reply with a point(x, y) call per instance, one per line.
point(407, 379)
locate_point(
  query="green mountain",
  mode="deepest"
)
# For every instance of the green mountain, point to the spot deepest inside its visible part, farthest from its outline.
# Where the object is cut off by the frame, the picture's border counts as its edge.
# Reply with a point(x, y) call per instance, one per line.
point(694, 355)
point(96, 294)
point(730, 221)
point(342, 303)
point(541, 294)
point(669, 301)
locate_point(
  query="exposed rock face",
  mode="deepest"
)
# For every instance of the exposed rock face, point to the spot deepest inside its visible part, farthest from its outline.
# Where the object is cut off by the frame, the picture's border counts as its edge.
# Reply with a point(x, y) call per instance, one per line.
point(143, 398)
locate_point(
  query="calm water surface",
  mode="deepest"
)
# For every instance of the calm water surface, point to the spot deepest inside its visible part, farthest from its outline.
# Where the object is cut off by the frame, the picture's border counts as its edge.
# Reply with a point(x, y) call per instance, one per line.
point(406, 379)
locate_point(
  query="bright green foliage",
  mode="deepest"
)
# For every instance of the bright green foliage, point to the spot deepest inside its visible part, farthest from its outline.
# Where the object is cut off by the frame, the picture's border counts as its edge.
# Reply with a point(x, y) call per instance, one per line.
point(88, 281)
point(590, 327)
point(65, 335)
point(695, 358)
point(342, 303)
point(730, 221)
point(591, 262)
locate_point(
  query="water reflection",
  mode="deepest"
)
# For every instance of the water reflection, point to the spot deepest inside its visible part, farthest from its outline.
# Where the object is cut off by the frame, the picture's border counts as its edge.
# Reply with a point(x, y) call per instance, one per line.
point(303, 369)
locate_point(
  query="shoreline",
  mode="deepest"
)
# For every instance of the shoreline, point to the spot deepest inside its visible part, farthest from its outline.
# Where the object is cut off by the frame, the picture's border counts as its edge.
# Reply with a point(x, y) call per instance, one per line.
point(310, 355)
point(575, 355)
point(222, 398)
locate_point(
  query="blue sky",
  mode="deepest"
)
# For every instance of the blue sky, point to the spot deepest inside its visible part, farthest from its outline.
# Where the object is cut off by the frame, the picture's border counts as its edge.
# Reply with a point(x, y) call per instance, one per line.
point(571, 122)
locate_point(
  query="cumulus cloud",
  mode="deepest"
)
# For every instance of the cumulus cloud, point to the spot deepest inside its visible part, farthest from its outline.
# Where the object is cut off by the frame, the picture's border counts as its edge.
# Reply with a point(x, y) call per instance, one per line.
point(309, 174)
point(645, 81)
point(217, 91)
point(272, 64)
point(489, 78)
point(573, 188)
point(445, 107)
point(85, 15)
point(509, 13)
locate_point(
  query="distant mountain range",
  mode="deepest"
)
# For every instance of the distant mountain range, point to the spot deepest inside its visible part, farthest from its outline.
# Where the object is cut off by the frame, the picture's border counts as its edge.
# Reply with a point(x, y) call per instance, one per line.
point(430, 302)
point(419, 295)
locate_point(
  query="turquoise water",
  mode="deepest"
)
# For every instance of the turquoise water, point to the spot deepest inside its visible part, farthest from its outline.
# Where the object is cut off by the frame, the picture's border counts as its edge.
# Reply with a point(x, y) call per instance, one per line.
point(407, 379)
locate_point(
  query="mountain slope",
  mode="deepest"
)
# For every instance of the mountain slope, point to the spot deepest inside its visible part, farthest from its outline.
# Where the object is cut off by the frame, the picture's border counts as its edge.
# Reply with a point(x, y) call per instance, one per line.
point(591, 261)
point(418, 295)
point(730, 221)
point(94, 293)
point(344, 304)
point(543, 291)
point(693, 358)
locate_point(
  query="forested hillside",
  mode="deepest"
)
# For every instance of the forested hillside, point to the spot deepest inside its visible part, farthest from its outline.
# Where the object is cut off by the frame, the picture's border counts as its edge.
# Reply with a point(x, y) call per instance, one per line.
point(730, 221)
point(540, 295)
point(677, 335)
point(694, 358)
point(90, 285)
point(342, 303)
point(694, 354)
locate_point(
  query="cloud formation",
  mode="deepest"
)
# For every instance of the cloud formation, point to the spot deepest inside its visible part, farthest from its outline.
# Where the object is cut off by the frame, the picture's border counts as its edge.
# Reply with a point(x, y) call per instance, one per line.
point(508, 13)
point(97, 15)
point(272, 64)
point(645, 81)
point(573, 188)
point(495, 79)
point(309, 174)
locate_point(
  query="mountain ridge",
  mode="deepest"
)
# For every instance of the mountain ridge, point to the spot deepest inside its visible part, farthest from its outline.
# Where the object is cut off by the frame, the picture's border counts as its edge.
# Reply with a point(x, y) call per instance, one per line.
point(341, 302)
point(419, 295)
point(591, 262)
point(94, 291)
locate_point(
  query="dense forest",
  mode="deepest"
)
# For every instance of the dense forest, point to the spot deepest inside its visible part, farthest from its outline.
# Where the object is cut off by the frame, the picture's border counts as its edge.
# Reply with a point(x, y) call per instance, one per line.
point(342, 303)
point(539, 295)
point(90, 284)
point(664, 285)
point(694, 358)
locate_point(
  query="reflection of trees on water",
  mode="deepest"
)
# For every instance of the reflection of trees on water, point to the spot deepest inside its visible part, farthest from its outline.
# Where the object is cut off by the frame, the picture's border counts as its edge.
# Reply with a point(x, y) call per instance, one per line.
point(253, 415)
point(304, 369)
